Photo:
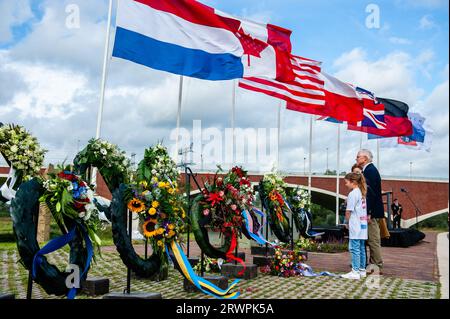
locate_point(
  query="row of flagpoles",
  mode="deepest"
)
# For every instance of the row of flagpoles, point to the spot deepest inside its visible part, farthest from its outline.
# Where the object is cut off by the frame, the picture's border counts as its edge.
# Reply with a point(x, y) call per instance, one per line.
point(309, 93)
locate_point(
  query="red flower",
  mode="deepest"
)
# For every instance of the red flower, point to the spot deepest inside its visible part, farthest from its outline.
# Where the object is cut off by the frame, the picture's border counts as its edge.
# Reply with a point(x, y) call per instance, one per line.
point(244, 181)
point(214, 198)
point(69, 177)
point(238, 171)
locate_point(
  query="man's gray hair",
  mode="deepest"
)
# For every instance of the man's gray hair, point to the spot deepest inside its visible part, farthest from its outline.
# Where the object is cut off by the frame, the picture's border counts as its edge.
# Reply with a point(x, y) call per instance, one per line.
point(367, 153)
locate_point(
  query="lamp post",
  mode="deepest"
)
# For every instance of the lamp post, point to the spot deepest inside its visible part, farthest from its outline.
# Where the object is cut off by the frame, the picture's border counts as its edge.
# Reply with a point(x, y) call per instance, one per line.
point(327, 159)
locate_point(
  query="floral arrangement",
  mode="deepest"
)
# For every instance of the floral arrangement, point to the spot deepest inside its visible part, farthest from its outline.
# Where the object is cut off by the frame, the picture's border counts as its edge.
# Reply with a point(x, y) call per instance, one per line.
point(22, 150)
point(225, 198)
point(285, 264)
point(330, 246)
point(107, 157)
point(300, 199)
point(274, 186)
point(67, 196)
point(210, 265)
point(157, 201)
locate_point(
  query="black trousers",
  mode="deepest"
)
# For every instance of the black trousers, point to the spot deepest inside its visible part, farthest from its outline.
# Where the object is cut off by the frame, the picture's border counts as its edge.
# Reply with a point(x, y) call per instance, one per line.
point(397, 220)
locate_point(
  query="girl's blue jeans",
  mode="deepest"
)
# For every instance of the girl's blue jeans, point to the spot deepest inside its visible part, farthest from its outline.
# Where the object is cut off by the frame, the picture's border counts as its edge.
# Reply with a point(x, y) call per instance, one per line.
point(357, 249)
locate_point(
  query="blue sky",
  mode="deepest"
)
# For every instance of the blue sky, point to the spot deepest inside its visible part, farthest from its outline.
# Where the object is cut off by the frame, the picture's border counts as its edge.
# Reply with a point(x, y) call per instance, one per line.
point(50, 76)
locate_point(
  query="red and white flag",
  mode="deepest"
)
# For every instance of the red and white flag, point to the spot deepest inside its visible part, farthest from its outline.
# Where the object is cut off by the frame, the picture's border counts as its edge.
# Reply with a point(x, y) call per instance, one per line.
point(312, 92)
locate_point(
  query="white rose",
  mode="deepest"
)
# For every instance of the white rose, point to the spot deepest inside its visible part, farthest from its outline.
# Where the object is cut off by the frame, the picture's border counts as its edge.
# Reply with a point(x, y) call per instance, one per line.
point(81, 215)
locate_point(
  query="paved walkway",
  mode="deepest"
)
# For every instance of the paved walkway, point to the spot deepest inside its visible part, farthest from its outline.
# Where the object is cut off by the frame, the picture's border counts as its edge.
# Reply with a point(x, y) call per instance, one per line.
point(442, 252)
point(418, 262)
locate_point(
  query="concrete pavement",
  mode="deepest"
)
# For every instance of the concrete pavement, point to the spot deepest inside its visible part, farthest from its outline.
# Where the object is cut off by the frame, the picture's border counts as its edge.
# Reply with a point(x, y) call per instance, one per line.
point(442, 253)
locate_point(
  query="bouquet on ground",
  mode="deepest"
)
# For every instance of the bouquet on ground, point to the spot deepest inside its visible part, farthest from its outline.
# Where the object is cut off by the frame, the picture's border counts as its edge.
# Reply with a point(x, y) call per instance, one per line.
point(285, 264)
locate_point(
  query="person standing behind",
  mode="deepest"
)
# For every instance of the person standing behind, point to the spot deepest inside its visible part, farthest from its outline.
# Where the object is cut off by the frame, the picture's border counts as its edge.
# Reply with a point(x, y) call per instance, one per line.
point(375, 207)
point(356, 215)
point(397, 210)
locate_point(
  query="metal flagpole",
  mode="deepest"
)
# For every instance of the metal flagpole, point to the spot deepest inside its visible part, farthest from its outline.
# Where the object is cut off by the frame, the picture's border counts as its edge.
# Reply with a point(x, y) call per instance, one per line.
point(233, 118)
point(337, 172)
point(105, 64)
point(180, 100)
point(378, 155)
point(310, 154)
point(279, 136)
point(103, 85)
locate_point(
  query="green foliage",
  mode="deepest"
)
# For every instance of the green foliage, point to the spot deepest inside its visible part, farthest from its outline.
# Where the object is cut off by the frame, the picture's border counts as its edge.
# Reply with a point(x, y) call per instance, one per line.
point(322, 216)
point(439, 222)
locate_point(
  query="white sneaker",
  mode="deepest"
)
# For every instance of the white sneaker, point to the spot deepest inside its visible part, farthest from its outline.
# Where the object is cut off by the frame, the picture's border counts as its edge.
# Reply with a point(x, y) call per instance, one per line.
point(362, 273)
point(352, 275)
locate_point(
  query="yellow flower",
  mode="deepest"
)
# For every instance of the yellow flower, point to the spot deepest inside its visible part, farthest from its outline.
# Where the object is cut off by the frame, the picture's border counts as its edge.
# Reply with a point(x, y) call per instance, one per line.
point(143, 184)
point(171, 190)
point(161, 184)
point(152, 211)
point(171, 226)
point(136, 206)
point(160, 243)
point(148, 228)
point(155, 204)
point(171, 234)
point(160, 231)
point(183, 214)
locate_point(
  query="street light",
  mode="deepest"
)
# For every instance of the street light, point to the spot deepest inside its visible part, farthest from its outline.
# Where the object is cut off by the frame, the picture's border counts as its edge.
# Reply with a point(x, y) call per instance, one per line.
point(327, 159)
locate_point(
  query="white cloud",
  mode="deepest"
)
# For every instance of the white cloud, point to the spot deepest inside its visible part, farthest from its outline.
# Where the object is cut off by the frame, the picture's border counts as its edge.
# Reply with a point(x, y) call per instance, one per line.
point(401, 41)
point(426, 23)
point(14, 13)
point(390, 76)
point(428, 4)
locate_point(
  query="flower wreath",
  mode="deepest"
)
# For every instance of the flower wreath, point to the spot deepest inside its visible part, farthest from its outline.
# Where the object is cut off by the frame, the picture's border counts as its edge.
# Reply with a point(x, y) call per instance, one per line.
point(219, 207)
point(22, 153)
point(273, 197)
point(71, 203)
point(300, 203)
point(160, 207)
point(111, 162)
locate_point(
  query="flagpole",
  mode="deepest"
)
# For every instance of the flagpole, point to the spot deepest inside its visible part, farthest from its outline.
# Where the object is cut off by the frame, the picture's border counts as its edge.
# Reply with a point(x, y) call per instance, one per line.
point(233, 120)
point(361, 141)
point(337, 171)
point(310, 154)
point(93, 179)
point(105, 64)
point(279, 135)
point(378, 155)
point(180, 101)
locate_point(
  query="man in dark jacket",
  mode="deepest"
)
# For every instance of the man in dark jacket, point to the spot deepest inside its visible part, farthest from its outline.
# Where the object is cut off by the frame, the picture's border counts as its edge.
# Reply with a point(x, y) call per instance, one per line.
point(375, 207)
point(397, 210)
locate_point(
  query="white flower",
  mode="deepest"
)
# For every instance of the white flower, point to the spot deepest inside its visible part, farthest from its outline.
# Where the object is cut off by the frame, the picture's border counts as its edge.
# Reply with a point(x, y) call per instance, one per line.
point(81, 215)
point(103, 151)
point(70, 187)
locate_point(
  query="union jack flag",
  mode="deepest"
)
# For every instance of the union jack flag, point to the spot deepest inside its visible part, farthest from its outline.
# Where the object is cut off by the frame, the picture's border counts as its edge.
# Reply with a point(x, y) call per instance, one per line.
point(373, 113)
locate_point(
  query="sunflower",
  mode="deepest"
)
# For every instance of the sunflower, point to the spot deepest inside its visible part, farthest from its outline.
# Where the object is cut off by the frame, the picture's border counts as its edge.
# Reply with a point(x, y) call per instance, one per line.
point(155, 204)
point(152, 211)
point(149, 228)
point(136, 206)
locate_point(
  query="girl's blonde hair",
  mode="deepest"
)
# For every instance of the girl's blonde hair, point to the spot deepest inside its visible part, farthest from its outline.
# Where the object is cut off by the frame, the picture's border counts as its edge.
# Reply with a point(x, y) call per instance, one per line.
point(359, 180)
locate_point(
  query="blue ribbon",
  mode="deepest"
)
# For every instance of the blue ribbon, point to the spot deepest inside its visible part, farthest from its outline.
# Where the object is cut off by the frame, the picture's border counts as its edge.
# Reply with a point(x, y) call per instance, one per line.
point(58, 243)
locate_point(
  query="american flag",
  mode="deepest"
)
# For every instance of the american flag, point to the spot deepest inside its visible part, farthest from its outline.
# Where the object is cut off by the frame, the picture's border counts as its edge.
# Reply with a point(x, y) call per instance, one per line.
point(307, 89)
point(312, 91)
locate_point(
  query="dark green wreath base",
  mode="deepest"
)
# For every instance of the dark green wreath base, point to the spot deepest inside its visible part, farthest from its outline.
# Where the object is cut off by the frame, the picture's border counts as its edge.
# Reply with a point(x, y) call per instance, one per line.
point(23, 207)
point(145, 268)
point(199, 221)
point(282, 232)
